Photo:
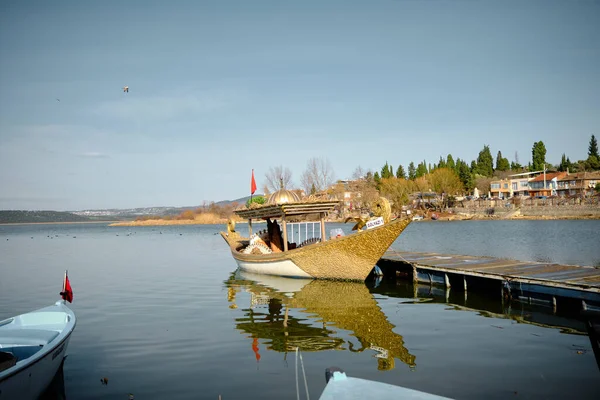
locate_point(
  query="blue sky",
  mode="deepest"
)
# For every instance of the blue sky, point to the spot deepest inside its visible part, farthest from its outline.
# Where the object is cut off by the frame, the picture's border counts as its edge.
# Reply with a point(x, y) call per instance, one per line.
point(220, 87)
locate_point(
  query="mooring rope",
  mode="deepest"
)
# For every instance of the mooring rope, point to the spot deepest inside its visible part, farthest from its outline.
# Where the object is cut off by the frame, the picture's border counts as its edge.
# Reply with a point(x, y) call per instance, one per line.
point(303, 375)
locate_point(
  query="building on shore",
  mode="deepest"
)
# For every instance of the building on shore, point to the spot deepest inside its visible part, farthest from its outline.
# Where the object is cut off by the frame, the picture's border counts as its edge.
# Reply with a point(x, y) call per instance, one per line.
point(544, 183)
point(580, 183)
point(513, 185)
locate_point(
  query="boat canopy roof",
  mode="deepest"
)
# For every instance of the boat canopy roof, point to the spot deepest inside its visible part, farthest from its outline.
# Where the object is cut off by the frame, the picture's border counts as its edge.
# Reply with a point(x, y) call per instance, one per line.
point(287, 209)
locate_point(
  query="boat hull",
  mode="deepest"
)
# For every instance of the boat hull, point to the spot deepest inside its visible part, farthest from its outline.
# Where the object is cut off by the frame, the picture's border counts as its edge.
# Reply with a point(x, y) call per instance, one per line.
point(350, 257)
point(30, 377)
point(285, 268)
point(342, 387)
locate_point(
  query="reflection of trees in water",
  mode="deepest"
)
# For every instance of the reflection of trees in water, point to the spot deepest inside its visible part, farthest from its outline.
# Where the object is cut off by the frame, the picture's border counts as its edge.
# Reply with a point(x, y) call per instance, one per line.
point(345, 305)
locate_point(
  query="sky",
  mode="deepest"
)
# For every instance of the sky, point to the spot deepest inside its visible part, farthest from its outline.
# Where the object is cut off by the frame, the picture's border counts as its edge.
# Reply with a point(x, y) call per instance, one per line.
point(218, 88)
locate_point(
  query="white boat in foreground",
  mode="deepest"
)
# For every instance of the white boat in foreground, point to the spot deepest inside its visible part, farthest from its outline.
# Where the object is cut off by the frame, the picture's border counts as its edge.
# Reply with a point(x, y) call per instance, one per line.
point(340, 386)
point(33, 347)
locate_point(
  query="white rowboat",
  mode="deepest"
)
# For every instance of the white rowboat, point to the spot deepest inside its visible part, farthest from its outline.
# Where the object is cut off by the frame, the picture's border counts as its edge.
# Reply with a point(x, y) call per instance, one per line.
point(340, 386)
point(33, 347)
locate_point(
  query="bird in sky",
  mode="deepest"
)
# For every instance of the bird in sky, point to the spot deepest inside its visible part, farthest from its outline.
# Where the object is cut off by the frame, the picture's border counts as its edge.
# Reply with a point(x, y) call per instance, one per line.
point(126, 89)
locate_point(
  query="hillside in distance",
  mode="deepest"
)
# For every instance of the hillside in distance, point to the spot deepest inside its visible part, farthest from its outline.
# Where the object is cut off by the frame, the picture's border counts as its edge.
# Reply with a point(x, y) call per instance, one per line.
point(25, 216)
point(159, 211)
point(114, 214)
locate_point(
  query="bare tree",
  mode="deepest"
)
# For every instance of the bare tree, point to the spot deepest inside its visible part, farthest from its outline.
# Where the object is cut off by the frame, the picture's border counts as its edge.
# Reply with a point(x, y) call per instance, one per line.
point(318, 175)
point(273, 178)
point(266, 190)
point(358, 173)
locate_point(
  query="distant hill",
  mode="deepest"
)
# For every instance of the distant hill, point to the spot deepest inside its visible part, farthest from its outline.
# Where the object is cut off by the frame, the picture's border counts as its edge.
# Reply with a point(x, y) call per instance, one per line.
point(23, 216)
point(241, 200)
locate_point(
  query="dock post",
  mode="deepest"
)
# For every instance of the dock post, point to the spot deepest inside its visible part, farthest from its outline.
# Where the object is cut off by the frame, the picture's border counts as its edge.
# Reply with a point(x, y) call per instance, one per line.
point(447, 281)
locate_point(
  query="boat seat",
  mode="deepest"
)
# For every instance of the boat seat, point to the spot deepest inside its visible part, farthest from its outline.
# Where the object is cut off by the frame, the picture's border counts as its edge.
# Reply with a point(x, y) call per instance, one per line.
point(19, 353)
point(32, 337)
point(7, 360)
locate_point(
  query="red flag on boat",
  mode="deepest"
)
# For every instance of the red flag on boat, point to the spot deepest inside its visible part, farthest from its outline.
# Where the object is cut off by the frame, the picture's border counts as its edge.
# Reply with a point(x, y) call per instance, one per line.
point(252, 184)
point(67, 292)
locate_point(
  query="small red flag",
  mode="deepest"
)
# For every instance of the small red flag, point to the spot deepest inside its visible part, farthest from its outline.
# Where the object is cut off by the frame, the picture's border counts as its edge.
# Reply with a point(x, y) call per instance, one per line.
point(255, 349)
point(252, 184)
point(67, 292)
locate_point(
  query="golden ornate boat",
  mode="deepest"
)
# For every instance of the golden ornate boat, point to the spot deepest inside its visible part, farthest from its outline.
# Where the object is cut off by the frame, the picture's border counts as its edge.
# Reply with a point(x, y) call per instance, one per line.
point(295, 242)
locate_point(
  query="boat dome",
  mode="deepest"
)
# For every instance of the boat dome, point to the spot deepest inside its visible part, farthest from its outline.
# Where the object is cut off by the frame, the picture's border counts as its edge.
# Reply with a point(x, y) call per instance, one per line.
point(283, 196)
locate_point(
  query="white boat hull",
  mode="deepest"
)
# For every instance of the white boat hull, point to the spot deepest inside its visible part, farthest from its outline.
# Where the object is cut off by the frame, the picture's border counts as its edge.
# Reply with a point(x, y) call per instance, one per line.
point(31, 376)
point(285, 268)
point(342, 387)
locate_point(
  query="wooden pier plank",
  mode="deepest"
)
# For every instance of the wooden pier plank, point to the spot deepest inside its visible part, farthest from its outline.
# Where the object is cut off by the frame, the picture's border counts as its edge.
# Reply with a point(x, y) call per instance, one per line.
point(572, 276)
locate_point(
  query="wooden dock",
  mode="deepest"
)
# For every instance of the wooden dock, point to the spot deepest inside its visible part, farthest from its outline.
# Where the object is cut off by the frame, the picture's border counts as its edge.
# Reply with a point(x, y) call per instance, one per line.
point(532, 282)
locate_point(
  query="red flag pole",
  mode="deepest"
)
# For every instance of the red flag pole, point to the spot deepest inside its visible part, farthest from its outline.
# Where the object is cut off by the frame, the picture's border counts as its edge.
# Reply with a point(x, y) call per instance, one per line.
point(64, 288)
point(252, 186)
point(67, 292)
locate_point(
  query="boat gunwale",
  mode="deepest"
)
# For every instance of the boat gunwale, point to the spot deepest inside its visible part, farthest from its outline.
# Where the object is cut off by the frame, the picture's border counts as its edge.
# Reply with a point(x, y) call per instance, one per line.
point(42, 353)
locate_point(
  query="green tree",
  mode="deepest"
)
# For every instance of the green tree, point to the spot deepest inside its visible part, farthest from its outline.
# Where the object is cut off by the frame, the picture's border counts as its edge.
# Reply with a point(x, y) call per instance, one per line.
point(593, 148)
point(445, 180)
point(565, 164)
point(400, 172)
point(412, 172)
point(538, 156)
point(485, 162)
point(450, 162)
point(464, 174)
point(396, 190)
point(421, 169)
point(377, 180)
point(441, 163)
point(502, 163)
point(386, 171)
point(592, 162)
point(257, 200)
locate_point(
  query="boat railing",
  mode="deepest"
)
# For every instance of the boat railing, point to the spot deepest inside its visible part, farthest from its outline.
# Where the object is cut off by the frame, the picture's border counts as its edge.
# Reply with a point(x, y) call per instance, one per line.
point(299, 232)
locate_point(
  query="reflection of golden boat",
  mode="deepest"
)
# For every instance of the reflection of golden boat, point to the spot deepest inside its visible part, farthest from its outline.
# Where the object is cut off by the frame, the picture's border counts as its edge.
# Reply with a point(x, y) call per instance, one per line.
point(275, 252)
point(345, 305)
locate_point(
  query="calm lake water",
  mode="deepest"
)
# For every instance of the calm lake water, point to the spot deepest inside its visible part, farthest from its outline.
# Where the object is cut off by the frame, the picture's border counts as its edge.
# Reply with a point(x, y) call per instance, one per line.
point(163, 314)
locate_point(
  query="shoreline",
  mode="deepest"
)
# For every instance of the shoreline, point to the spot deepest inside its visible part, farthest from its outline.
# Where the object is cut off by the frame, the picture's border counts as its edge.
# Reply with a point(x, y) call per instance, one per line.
point(56, 223)
point(444, 218)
